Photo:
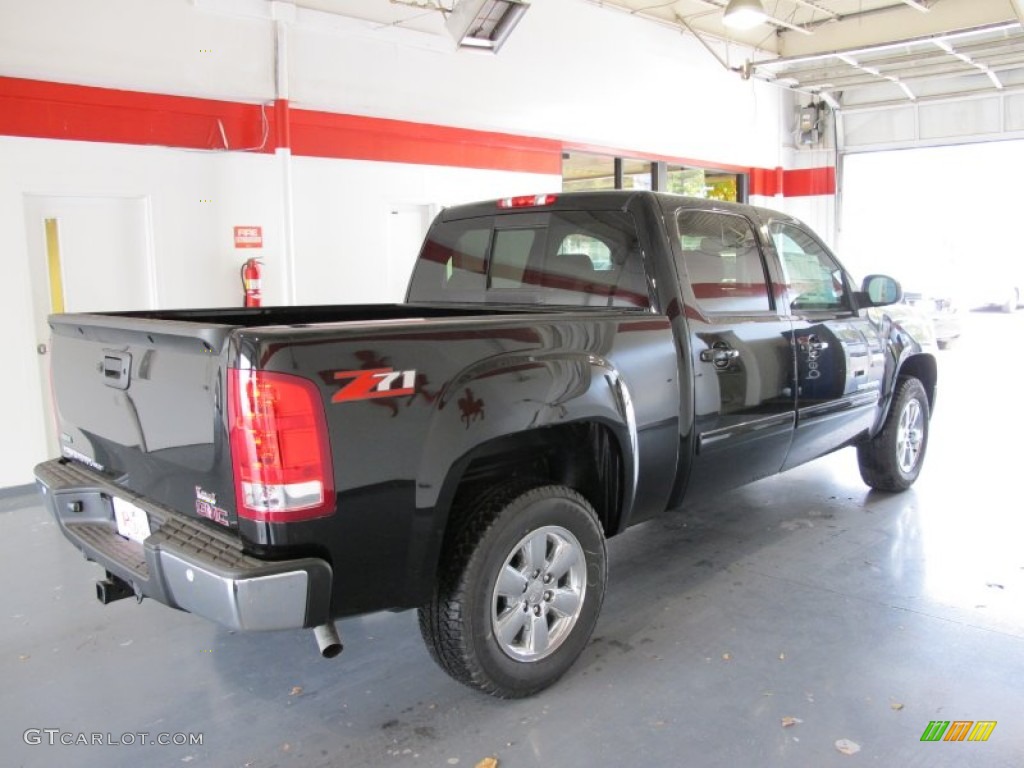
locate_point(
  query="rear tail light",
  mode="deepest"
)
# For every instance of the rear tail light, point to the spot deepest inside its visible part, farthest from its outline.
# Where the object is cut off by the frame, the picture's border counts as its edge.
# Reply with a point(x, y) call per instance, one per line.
point(526, 201)
point(279, 447)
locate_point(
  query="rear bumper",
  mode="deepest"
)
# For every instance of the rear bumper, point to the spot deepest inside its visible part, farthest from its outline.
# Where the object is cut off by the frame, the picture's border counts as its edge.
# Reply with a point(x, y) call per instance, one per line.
point(183, 563)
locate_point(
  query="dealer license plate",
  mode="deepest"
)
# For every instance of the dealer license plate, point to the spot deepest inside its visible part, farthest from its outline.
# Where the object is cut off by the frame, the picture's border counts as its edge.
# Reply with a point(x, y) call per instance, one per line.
point(132, 522)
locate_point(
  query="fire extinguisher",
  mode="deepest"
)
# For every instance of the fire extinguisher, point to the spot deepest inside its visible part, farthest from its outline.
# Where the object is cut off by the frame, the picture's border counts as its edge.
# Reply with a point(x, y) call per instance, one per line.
point(252, 273)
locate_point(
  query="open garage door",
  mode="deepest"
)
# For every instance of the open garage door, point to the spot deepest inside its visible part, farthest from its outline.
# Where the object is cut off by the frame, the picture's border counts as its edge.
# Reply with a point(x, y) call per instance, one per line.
point(944, 220)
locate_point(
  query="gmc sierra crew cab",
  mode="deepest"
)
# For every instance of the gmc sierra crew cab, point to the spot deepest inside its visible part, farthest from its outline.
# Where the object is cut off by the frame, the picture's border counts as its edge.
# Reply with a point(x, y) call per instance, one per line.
point(564, 366)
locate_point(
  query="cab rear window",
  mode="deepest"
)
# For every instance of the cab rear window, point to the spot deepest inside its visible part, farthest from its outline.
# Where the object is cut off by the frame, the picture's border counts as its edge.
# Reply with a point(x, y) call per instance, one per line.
point(574, 258)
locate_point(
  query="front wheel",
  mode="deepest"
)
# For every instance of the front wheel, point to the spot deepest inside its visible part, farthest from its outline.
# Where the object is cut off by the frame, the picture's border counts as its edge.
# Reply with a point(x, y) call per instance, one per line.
point(519, 591)
point(891, 461)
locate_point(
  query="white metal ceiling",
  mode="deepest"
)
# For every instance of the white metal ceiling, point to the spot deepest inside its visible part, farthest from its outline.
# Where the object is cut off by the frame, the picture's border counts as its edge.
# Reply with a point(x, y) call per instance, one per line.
point(864, 52)
point(959, 63)
point(850, 52)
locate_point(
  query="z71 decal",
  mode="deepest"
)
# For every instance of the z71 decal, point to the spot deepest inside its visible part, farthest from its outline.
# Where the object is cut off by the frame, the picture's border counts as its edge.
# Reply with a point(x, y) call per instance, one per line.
point(373, 383)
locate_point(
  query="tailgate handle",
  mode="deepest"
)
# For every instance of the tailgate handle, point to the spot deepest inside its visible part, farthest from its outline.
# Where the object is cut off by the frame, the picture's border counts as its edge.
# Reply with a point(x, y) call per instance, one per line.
point(116, 369)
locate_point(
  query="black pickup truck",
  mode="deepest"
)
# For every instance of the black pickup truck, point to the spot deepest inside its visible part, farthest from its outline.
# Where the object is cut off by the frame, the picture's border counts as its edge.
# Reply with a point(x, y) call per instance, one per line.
point(565, 366)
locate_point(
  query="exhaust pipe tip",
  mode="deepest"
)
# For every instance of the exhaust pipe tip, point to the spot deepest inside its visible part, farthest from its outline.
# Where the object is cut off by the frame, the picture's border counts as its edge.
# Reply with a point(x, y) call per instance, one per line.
point(328, 640)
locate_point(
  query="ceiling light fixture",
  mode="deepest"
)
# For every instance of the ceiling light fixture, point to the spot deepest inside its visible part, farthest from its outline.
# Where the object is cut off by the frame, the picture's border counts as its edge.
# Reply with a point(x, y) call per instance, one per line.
point(484, 25)
point(744, 14)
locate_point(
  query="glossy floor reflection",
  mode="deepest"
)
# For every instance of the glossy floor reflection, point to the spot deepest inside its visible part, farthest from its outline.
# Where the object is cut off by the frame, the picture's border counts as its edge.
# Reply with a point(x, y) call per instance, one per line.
point(859, 615)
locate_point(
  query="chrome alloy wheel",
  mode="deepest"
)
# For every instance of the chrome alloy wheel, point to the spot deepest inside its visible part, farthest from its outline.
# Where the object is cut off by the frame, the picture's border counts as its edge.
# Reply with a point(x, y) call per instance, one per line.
point(538, 595)
point(910, 436)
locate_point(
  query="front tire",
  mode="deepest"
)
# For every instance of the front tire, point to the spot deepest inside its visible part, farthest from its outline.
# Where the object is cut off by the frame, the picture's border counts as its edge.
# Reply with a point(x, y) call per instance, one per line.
point(892, 460)
point(519, 590)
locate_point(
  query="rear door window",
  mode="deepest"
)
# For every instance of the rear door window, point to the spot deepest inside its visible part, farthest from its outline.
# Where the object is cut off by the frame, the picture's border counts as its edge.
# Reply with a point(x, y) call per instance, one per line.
point(723, 262)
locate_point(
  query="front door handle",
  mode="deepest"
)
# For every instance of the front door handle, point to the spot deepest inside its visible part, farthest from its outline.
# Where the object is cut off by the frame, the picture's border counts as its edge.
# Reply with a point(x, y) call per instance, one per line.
point(812, 343)
point(720, 354)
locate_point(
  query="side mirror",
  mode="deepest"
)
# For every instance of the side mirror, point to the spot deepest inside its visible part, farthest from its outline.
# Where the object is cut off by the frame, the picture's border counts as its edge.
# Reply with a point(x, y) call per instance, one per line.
point(881, 290)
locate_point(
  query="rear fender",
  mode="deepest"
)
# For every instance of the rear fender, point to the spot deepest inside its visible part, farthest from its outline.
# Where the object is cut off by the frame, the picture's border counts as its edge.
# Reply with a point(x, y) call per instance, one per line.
point(511, 394)
point(504, 401)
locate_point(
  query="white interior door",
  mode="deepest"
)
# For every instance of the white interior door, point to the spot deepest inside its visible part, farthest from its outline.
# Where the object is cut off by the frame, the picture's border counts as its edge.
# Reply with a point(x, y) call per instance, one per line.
point(407, 224)
point(86, 254)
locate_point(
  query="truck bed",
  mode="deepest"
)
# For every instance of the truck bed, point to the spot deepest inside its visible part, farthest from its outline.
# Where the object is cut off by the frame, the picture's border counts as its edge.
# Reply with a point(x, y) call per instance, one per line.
point(314, 315)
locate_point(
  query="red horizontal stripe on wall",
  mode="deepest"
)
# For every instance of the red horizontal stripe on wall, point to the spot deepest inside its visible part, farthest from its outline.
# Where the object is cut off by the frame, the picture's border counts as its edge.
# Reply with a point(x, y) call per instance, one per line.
point(46, 110)
point(325, 134)
point(40, 109)
point(809, 181)
point(766, 181)
point(803, 182)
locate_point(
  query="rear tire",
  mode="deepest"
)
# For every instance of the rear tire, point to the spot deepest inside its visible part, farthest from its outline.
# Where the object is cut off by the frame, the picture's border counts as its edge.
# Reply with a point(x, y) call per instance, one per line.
point(891, 461)
point(519, 590)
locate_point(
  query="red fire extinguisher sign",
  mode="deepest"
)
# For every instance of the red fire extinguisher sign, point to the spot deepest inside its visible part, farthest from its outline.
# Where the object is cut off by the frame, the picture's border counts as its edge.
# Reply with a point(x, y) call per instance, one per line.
point(248, 237)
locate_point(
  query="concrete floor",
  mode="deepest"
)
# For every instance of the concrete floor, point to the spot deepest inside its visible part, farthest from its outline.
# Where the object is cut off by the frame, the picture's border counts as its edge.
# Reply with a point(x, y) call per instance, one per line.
point(863, 615)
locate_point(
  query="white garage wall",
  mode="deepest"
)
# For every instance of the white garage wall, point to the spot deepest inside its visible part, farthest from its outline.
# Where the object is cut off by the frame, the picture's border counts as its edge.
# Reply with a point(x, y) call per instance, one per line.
point(816, 210)
point(196, 198)
point(158, 46)
point(572, 72)
point(342, 209)
point(196, 264)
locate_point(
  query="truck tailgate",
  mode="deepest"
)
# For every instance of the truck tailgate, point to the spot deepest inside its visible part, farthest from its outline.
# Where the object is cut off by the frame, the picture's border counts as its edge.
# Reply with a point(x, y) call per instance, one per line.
point(141, 400)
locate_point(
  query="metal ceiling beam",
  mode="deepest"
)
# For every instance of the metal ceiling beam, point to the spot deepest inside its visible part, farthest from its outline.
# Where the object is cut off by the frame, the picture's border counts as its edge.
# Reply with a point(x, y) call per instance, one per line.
point(918, 5)
point(716, 35)
point(793, 27)
point(939, 98)
point(948, 48)
point(834, 77)
point(992, 48)
point(875, 26)
point(859, 78)
point(704, 42)
point(821, 9)
point(877, 73)
point(1009, 55)
point(877, 48)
